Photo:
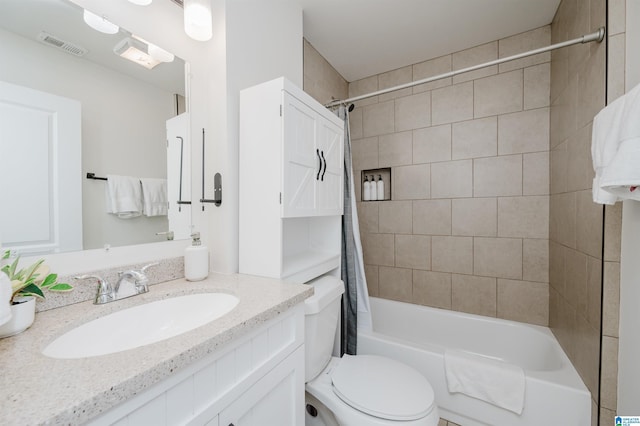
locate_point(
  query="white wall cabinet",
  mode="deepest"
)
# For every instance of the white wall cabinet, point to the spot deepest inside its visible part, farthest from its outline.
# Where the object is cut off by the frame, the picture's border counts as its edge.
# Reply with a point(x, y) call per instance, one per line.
point(291, 183)
point(312, 150)
point(257, 379)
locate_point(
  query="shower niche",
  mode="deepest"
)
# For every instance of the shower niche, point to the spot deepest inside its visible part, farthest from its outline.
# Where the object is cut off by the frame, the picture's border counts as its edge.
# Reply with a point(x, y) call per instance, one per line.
point(378, 179)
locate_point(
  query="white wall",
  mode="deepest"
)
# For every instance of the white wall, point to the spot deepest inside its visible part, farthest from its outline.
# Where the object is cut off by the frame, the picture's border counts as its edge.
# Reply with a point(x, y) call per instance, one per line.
point(123, 129)
point(629, 344)
point(263, 42)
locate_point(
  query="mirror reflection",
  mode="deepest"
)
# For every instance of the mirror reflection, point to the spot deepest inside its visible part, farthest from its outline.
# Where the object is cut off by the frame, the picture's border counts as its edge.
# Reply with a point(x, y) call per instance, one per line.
point(75, 101)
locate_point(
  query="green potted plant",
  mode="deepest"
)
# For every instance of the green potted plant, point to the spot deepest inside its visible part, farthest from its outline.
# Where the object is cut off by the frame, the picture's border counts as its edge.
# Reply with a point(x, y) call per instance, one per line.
point(27, 284)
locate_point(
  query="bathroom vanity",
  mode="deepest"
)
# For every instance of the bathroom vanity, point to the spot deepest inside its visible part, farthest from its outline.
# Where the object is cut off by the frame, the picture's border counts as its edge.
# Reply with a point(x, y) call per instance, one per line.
point(246, 366)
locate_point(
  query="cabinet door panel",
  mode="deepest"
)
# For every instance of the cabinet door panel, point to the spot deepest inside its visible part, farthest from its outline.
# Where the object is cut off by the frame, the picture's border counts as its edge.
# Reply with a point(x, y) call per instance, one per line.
point(330, 188)
point(276, 399)
point(301, 163)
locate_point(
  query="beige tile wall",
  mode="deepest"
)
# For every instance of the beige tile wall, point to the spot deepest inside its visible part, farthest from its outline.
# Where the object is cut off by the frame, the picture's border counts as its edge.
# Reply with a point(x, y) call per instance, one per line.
point(612, 228)
point(401, 237)
point(578, 92)
point(320, 79)
point(467, 226)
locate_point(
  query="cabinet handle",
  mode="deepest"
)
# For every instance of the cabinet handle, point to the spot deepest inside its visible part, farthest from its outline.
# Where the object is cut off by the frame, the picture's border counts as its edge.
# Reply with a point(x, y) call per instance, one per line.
point(325, 165)
point(319, 164)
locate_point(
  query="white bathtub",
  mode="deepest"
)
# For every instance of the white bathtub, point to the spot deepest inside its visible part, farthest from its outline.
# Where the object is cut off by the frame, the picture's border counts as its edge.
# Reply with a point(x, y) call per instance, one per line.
point(418, 336)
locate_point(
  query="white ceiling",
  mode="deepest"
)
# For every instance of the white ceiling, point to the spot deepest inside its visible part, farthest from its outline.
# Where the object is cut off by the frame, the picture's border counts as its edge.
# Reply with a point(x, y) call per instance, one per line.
point(366, 37)
point(358, 37)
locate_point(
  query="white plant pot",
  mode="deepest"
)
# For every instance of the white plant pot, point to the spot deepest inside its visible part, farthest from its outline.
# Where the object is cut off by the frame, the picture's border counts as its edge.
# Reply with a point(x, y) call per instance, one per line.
point(22, 315)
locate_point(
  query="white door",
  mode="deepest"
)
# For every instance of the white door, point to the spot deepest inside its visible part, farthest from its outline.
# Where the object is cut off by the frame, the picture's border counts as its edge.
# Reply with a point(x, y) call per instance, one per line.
point(179, 176)
point(330, 186)
point(40, 171)
point(301, 162)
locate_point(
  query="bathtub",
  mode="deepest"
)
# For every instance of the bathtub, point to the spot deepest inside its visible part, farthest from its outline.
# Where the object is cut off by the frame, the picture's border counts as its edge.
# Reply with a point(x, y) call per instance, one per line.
point(419, 335)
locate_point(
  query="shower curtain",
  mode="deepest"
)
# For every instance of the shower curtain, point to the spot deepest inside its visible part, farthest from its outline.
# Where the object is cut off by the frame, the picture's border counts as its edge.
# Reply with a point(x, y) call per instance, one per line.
point(355, 303)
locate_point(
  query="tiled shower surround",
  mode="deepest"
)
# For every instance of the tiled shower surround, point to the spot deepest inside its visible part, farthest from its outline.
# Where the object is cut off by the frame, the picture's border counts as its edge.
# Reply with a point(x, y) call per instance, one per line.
point(467, 227)
point(482, 164)
point(584, 315)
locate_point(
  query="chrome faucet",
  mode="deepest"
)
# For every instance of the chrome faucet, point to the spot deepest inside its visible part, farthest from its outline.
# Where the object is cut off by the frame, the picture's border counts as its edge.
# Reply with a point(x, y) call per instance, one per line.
point(106, 293)
point(139, 279)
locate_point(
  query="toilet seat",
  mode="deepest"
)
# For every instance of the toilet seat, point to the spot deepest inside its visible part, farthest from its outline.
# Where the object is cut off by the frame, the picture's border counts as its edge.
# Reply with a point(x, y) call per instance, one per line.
point(382, 387)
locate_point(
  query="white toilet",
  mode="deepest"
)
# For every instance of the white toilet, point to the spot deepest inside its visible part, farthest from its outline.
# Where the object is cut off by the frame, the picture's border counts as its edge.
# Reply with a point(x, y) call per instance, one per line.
point(360, 390)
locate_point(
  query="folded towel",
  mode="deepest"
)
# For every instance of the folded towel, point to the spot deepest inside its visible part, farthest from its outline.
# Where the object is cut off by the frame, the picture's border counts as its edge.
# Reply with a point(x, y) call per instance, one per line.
point(154, 196)
point(622, 176)
point(605, 137)
point(124, 196)
point(489, 380)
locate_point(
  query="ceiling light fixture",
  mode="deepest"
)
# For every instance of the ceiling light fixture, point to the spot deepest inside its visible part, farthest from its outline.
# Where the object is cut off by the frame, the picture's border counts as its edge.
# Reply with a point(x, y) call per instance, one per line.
point(154, 51)
point(99, 23)
point(197, 19)
point(141, 2)
point(159, 53)
point(135, 51)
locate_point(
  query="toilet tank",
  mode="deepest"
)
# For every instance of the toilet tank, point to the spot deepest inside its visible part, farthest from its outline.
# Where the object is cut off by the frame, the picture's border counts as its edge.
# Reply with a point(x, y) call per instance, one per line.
point(322, 312)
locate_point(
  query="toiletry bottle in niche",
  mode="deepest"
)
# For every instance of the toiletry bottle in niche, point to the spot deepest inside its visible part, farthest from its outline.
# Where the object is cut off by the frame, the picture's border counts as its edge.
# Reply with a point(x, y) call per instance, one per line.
point(374, 190)
point(366, 192)
point(196, 260)
point(380, 188)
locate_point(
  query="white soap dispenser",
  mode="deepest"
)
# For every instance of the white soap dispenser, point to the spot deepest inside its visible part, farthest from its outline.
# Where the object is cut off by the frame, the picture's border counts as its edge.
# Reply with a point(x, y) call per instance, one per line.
point(380, 188)
point(196, 260)
point(374, 191)
point(366, 191)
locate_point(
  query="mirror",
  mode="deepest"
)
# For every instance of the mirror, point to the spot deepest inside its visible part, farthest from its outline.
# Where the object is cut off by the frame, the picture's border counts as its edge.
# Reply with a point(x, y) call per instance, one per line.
point(70, 105)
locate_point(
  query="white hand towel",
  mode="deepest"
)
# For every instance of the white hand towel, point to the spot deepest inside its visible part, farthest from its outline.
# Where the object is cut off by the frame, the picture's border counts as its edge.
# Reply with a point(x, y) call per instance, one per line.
point(622, 176)
point(493, 381)
point(154, 196)
point(124, 196)
point(605, 138)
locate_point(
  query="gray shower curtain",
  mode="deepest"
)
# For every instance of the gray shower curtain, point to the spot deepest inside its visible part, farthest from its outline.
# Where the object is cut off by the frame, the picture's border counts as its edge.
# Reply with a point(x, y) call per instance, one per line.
point(349, 256)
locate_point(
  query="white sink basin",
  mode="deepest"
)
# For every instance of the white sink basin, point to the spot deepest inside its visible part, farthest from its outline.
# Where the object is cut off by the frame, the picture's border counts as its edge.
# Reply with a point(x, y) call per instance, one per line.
point(141, 325)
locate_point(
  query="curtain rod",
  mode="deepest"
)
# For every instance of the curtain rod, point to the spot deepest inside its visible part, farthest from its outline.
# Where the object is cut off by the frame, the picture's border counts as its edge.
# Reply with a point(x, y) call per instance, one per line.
point(596, 36)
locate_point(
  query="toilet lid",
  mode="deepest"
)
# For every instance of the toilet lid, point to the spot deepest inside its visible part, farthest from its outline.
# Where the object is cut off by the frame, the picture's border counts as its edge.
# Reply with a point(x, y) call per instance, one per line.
point(382, 387)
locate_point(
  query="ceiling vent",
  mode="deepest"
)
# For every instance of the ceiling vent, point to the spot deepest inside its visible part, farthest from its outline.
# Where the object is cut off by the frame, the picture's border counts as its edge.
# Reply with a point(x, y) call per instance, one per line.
point(54, 41)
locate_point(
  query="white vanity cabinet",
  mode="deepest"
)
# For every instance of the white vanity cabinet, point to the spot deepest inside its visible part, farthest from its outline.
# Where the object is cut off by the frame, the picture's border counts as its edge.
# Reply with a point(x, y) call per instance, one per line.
point(291, 183)
point(257, 379)
point(274, 400)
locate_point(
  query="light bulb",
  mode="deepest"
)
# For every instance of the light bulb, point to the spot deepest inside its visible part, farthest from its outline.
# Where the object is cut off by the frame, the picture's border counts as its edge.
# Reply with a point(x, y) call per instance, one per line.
point(159, 54)
point(141, 2)
point(197, 19)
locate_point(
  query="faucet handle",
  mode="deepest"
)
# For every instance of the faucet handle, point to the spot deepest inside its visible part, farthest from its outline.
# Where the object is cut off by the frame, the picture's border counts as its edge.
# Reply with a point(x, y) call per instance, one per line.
point(104, 293)
point(144, 268)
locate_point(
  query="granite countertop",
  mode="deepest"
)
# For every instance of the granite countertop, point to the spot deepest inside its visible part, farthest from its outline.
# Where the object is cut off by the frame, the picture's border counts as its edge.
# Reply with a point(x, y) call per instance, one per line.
point(36, 389)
